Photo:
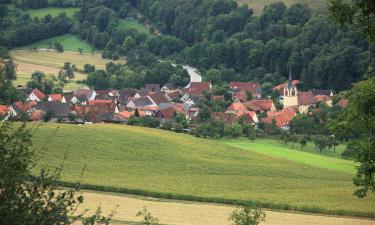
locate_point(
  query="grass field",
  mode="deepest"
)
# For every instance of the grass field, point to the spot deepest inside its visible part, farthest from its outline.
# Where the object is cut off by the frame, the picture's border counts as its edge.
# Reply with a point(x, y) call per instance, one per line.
point(273, 149)
point(165, 164)
point(318, 6)
point(69, 41)
point(50, 62)
point(53, 11)
point(131, 23)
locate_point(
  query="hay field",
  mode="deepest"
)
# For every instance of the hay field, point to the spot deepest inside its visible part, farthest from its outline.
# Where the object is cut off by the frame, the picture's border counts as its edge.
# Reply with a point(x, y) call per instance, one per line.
point(194, 213)
point(161, 163)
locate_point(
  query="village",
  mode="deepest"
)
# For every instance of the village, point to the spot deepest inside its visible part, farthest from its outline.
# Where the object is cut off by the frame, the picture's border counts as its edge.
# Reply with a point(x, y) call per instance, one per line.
point(163, 103)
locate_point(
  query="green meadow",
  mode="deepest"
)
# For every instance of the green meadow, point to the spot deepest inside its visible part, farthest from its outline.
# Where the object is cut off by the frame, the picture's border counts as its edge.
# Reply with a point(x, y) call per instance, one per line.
point(69, 41)
point(165, 164)
point(130, 23)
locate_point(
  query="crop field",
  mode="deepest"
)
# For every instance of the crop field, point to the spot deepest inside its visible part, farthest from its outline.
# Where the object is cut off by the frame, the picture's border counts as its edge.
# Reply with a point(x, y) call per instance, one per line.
point(163, 164)
point(130, 23)
point(195, 213)
point(50, 62)
point(68, 41)
point(53, 11)
point(317, 6)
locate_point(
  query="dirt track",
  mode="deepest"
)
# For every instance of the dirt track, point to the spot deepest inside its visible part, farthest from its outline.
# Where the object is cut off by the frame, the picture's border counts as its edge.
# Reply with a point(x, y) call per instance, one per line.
point(190, 213)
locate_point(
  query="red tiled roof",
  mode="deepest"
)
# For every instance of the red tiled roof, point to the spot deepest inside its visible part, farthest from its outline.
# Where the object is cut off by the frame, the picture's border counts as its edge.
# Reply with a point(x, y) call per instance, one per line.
point(227, 117)
point(4, 110)
point(126, 114)
point(254, 87)
point(237, 106)
point(167, 113)
point(39, 94)
point(24, 107)
point(148, 108)
point(343, 103)
point(281, 118)
point(55, 97)
point(158, 98)
point(322, 98)
point(306, 98)
point(259, 104)
point(197, 88)
point(100, 102)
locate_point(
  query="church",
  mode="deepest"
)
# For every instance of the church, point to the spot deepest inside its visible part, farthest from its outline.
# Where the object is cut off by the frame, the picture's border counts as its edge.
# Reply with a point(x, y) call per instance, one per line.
point(292, 97)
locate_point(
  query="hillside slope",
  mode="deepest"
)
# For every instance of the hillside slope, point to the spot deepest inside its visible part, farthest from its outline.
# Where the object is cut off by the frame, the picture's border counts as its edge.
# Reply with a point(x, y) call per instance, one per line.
point(163, 162)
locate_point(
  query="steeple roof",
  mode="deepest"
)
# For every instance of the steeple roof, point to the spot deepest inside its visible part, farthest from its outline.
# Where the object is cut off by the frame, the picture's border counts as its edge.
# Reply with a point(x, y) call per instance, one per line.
point(290, 81)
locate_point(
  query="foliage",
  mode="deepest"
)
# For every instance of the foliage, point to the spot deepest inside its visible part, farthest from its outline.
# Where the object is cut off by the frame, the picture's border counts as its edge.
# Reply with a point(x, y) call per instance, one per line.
point(8, 93)
point(146, 121)
point(148, 219)
point(358, 120)
point(248, 215)
point(43, 83)
point(27, 199)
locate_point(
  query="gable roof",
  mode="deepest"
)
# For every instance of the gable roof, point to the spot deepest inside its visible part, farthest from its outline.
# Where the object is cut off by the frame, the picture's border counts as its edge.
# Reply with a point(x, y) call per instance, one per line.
point(142, 101)
point(84, 91)
point(197, 88)
point(173, 95)
point(167, 113)
point(158, 98)
point(306, 98)
point(254, 87)
point(152, 87)
point(55, 97)
point(126, 114)
point(125, 94)
point(237, 106)
point(59, 109)
point(259, 104)
point(282, 118)
point(4, 110)
point(280, 87)
point(321, 92)
point(38, 93)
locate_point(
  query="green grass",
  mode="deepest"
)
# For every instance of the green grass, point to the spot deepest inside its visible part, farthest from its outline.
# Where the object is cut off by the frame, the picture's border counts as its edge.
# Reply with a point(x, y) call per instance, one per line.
point(273, 149)
point(164, 164)
point(53, 11)
point(317, 6)
point(131, 23)
point(69, 41)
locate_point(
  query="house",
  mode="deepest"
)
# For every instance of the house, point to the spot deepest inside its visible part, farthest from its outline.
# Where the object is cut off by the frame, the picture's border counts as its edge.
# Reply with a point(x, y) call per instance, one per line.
point(36, 95)
point(17, 108)
point(245, 87)
point(316, 92)
point(107, 95)
point(292, 97)
point(152, 87)
point(139, 102)
point(168, 88)
point(57, 110)
point(56, 98)
point(282, 118)
point(158, 98)
point(236, 107)
point(125, 95)
point(245, 117)
point(122, 117)
point(173, 95)
point(107, 106)
point(4, 110)
point(323, 99)
point(141, 93)
point(280, 88)
point(90, 94)
point(260, 105)
point(148, 110)
point(166, 114)
point(195, 90)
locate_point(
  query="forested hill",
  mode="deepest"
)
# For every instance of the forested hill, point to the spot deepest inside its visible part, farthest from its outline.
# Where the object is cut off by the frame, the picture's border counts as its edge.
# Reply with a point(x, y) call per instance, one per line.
point(224, 40)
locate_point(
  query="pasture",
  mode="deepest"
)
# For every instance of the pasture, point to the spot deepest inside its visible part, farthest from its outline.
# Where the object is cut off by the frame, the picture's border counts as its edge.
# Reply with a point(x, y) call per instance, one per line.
point(163, 164)
point(317, 6)
point(130, 23)
point(68, 41)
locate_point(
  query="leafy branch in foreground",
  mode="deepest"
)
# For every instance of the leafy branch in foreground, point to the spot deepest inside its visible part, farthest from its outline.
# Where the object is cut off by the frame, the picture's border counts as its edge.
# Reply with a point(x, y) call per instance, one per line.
point(148, 219)
point(34, 200)
point(358, 122)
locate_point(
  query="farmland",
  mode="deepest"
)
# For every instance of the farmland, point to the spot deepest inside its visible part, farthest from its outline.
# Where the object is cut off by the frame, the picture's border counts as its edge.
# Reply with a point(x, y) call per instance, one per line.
point(317, 6)
point(164, 164)
point(50, 62)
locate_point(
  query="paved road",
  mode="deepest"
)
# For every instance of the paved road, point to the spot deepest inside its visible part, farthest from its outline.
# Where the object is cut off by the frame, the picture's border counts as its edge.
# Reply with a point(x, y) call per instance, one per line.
point(193, 73)
point(194, 213)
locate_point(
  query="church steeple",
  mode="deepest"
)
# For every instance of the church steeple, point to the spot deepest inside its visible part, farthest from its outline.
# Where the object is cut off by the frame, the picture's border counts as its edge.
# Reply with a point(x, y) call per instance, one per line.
point(290, 80)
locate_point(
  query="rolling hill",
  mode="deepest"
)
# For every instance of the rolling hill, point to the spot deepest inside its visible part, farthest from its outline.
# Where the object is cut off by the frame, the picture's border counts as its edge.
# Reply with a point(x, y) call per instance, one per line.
point(165, 164)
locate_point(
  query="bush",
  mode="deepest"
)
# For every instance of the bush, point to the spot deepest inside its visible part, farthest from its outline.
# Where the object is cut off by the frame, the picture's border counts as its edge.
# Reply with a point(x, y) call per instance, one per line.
point(89, 68)
point(234, 130)
point(249, 131)
point(144, 121)
point(348, 152)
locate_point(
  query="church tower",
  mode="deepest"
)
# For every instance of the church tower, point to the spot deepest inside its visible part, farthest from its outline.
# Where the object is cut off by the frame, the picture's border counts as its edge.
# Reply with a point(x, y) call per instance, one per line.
point(290, 93)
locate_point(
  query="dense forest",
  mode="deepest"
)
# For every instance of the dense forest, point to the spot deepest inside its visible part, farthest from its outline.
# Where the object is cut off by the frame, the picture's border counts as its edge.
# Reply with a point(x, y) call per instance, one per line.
point(224, 40)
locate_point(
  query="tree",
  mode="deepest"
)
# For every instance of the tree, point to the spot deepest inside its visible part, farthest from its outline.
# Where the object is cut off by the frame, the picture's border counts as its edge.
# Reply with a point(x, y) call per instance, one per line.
point(59, 47)
point(80, 50)
point(358, 121)
point(148, 219)
point(360, 13)
point(69, 70)
point(248, 215)
point(89, 68)
point(34, 199)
